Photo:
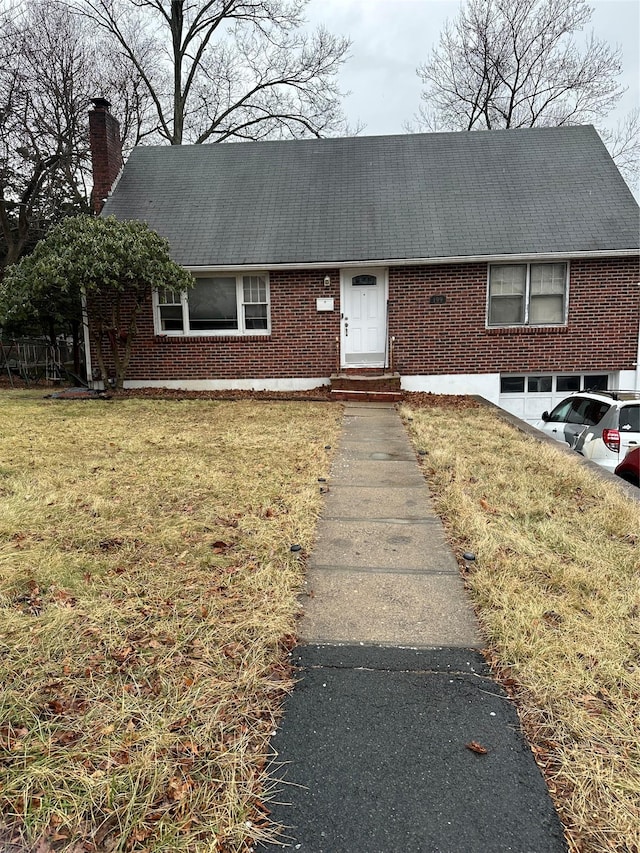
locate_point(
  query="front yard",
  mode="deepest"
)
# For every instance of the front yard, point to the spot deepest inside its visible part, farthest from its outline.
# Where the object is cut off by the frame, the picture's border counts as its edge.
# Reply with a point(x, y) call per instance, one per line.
point(148, 603)
point(147, 590)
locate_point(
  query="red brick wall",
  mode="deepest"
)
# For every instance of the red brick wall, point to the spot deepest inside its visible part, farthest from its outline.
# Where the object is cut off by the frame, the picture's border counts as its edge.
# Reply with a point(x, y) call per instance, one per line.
point(602, 332)
point(301, 343)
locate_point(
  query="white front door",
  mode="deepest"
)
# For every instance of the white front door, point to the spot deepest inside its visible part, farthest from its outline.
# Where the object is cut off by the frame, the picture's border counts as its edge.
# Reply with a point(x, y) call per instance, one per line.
point(364, 318)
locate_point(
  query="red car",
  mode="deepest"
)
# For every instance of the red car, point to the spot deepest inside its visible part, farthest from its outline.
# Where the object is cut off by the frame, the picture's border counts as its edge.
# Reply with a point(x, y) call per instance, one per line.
point(629, 468)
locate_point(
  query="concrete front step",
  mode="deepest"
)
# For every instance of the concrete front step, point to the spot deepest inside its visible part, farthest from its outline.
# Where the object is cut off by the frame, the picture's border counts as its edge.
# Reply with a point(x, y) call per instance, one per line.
point(366, 396)
point(366, 385)
point(365, 381)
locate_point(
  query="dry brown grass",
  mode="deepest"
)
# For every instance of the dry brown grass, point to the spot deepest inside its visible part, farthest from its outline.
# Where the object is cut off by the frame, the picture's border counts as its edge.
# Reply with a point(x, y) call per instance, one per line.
point(148, 598)
point(557, 590)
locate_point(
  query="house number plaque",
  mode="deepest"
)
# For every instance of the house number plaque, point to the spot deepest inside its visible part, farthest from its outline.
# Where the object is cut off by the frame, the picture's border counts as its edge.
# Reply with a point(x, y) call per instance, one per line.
point(437, 299)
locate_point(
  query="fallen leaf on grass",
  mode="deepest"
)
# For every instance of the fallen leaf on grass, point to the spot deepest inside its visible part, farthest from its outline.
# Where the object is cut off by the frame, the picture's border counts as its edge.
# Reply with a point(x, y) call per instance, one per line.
point(122, 654)
point(60, 836)
point(597, 704)
point(141, 834)
point(289, 642)
point(476, 747)
point(187, 748)
point(65, 738)
point(227, 522)
point(10, 737)
point(233, 650)
point(64, 598)
point(177, 789)
point(552, 618)
point(110, 544)
point(181, 723)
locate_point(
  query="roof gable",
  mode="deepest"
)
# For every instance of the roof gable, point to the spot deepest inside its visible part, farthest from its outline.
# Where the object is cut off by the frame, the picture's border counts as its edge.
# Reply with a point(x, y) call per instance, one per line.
point(381, 198)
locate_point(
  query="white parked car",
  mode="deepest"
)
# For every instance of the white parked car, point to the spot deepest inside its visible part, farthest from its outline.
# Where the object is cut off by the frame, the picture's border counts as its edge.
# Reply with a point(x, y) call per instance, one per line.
point(601, 425)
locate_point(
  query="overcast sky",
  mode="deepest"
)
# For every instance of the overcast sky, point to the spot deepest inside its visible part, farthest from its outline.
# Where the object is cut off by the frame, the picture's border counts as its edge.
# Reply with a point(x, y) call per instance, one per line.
point(390, 38)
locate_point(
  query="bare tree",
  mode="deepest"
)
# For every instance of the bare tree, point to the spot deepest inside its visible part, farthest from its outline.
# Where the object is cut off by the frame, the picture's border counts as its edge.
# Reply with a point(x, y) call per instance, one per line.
point(623, 142)
point(217, 70)
point(515, 63)
point(50, 68)
point(27, 160)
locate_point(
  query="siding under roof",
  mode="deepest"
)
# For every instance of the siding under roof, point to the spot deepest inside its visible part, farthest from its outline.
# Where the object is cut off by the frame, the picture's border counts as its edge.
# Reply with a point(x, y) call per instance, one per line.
point(539, 190)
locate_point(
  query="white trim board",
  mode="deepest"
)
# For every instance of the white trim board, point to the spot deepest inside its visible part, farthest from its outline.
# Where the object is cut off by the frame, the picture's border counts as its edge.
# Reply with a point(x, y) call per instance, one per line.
point(486, 385)
point(407, 262)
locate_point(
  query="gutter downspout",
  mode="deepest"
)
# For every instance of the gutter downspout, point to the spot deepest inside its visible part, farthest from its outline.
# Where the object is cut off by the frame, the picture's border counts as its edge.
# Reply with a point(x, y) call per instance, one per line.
point(87, 343)
point(637, 383)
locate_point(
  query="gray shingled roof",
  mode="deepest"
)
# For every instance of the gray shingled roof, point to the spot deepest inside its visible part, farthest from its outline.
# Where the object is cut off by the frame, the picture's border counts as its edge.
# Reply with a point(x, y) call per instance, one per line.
point(390, 198)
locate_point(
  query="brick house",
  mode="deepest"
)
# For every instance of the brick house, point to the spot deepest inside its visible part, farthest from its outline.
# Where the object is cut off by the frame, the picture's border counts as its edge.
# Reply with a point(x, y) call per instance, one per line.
point(500, 263)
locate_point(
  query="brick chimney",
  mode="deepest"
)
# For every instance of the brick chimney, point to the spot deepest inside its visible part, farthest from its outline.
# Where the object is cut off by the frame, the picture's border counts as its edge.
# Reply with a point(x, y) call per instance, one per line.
point(106, 151)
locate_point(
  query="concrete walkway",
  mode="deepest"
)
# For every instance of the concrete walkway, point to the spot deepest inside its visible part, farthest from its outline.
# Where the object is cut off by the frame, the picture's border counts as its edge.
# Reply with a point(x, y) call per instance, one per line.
point(372, 754)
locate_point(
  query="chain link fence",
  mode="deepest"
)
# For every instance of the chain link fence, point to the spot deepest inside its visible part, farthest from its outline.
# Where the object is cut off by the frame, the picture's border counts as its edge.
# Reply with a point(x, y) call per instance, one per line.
point(35, 360)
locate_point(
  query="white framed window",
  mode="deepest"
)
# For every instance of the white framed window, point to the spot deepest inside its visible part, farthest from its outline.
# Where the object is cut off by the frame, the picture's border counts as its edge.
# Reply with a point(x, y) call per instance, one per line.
point(218, 304)
point(553, 383)
point(527, 395)
point(528, 294)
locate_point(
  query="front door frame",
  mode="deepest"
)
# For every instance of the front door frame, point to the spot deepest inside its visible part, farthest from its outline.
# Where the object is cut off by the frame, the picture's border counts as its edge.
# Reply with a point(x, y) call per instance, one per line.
point(346, 274)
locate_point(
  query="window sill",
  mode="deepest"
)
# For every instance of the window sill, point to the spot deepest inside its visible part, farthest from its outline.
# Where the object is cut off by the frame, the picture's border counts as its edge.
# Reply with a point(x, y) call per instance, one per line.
point(527, 330)
point(227, 337)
